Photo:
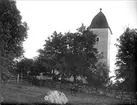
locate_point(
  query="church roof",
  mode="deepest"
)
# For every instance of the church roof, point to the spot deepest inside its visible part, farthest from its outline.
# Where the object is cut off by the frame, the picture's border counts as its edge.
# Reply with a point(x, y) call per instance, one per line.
point(99, 21)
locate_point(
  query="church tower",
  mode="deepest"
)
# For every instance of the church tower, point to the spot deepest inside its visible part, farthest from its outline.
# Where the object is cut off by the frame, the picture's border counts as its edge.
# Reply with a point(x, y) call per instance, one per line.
point(100, 27)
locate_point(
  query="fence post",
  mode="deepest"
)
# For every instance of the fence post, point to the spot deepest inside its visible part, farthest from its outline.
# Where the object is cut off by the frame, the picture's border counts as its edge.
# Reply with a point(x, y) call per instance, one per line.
point(18, 78)
point(21, 77)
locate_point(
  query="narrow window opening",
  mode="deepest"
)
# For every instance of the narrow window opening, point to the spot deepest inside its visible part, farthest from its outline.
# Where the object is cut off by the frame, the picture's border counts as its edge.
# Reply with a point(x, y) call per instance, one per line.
point(97, 40)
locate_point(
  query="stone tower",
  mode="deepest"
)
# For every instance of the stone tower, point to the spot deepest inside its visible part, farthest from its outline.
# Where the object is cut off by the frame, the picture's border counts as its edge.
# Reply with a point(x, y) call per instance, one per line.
point(100, 27)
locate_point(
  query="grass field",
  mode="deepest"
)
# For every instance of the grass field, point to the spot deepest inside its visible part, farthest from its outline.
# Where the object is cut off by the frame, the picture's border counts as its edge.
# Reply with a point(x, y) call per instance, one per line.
point(30, 94)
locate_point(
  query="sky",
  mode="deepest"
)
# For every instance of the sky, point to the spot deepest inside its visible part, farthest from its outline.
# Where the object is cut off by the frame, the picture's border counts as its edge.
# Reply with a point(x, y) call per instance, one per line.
point(45, 17)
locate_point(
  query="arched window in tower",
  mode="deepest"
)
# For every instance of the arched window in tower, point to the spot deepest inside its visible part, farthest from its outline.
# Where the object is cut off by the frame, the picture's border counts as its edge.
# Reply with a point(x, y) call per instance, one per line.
point(97, 39)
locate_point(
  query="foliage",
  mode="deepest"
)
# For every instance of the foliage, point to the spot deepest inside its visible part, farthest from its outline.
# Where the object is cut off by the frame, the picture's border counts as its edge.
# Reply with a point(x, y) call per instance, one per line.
point(72, 54)
point(41, 67)
point(24, 66)
point(12, 33)
point(127, 58)
point(99, 76)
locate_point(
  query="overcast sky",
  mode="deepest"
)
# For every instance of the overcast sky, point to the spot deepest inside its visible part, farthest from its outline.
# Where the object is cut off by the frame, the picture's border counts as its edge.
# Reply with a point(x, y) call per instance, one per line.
point(45, 17)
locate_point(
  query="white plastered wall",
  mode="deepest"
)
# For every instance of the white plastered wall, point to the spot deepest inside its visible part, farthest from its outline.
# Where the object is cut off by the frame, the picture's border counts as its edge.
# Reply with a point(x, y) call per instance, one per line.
point(103, 44)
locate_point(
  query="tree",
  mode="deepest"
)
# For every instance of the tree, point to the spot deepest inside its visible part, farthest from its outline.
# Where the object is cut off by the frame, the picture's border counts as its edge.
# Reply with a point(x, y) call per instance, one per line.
point(25, 66)
point(99, 76)
point(12, 33)
point(127, 58)
point(41, 66)
point(72, 53)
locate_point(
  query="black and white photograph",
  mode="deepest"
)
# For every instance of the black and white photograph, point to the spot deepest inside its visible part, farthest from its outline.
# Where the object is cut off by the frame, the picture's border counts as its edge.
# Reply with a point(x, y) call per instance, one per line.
point(68, 52)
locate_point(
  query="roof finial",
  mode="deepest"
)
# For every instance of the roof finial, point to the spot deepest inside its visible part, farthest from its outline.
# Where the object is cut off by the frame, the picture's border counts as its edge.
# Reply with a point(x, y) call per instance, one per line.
point(100, 9)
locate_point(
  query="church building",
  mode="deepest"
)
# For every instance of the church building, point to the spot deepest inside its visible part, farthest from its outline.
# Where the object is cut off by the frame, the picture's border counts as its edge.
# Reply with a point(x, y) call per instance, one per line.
point(100, 27)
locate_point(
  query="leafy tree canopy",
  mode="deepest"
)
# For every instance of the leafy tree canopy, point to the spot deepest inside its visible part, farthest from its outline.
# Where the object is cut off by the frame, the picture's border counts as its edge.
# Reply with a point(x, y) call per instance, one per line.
point(127, 57)
point(24, 66)
point(12, 33)
point(72, 54)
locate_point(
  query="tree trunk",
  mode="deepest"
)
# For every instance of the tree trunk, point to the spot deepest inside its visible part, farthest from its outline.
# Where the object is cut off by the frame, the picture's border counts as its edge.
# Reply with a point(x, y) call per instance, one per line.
point(74, 76)
point(1, 70)
point(0, 74)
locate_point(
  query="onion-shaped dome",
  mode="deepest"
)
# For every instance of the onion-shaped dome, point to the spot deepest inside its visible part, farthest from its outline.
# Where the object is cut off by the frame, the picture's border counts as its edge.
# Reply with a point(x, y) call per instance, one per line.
point(99, 21)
